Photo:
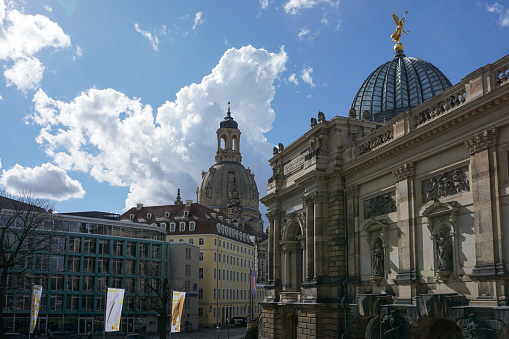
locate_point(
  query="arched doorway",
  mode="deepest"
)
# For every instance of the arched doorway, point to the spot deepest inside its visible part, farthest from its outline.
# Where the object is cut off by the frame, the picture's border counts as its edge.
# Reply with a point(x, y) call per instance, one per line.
point(445, 329)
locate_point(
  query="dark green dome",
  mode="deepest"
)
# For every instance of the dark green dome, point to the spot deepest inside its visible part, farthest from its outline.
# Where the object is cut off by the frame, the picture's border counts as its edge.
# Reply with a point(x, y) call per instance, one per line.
point(397, 86)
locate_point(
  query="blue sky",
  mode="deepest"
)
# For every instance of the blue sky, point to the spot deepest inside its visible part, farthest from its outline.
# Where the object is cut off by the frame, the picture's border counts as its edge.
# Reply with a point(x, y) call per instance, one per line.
point(105, 104)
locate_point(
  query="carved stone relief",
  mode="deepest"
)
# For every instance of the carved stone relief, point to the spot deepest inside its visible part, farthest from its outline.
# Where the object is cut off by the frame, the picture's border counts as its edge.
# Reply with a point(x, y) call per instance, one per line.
point(380, 205)
point(445, 184)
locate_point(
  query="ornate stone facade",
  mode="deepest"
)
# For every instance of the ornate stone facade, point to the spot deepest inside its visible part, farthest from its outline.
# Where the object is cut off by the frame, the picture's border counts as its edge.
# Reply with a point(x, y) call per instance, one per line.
point(396, 230)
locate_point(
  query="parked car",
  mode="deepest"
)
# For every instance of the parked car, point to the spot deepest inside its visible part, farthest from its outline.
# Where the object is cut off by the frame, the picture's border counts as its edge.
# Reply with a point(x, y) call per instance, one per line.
point(62, 335)
point(134, 336)
point(239, 321)
point(14, 336)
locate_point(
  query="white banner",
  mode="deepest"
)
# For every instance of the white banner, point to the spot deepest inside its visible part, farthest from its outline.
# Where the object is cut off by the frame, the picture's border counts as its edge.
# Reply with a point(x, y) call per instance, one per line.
point(114, 302)
point(176, 310)
point(36, 302)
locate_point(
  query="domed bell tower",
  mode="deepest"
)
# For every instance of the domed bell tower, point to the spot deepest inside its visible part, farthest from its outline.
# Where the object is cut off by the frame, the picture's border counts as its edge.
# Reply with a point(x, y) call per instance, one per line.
point(228, 140)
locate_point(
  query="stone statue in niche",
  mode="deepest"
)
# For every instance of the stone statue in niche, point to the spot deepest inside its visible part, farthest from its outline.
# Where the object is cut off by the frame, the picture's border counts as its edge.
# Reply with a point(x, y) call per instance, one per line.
point(443, 253)
point(378, 260)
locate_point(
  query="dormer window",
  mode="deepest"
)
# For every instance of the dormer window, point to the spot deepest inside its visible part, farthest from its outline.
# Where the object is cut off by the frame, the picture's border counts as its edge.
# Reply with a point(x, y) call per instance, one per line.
point(167, 214)
point(186, 213)
point(149, 216)
point(131, 216)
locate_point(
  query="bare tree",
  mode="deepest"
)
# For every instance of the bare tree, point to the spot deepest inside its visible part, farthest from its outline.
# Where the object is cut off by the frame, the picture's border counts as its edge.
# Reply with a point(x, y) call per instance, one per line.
point(156, 282)
point(26, 227)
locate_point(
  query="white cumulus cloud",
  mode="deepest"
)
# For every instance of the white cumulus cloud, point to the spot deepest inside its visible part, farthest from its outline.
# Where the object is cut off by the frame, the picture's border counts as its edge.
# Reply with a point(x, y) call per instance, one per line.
point(303, 32)
point(306, 76)
point(118, 139)
point(293, 6)
point(45, 181)
point(264, 3)
point(293, 79)
point(22, 36)
point(503, 13)
point(154, 40)
point(198, 19)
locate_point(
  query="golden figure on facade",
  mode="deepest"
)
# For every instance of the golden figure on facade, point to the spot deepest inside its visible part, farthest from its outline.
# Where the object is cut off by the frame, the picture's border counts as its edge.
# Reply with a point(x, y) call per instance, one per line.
point(396, 36)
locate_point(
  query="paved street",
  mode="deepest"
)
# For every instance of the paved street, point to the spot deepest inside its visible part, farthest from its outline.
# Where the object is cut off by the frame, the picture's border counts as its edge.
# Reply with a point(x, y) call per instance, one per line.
point(234, 333)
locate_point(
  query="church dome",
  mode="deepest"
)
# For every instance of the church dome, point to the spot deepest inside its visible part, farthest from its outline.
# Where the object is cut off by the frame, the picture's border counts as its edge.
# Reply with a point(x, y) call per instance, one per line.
point(226, 182)
point(397, 86)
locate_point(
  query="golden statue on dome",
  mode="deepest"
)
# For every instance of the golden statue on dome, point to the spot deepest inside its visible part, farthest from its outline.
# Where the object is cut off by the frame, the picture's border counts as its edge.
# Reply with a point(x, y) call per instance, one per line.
point(396, 36)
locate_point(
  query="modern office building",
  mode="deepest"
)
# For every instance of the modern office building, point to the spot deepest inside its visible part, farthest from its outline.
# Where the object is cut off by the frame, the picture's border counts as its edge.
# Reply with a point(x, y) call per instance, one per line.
point(87, 256)
point(226, 256)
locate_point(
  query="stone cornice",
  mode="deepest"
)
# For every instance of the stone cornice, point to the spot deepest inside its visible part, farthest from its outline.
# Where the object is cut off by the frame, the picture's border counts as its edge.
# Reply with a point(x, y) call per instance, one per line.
point(482, 141)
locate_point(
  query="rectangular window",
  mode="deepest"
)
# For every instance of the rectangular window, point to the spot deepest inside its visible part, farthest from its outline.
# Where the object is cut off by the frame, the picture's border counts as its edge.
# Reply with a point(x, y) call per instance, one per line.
point(73, 283)
point(89, 246)
point(172, 227)
point(117, 266)
point(56, 302)
point(75, 244)
point(101, 284)
point(201, 256)
point(200, 312)
point(215, 256)
point(57, 263)
point(214, 294)
point(103, 265)
point(87, 302)
point(104, 246)
point(201, 273)
point(89, 265)
point(73, 264)
point(144, 250)
point(129, 285)
point(191, 241)
point(200, 293)
point(215, 242)
point(100, 303)
point(130, 249)
point(182, 226)
point(57, 282)
point(192, 226)
point(215, 273)
point(130, 267)
point(88, 283)
point(201, 241)
point(118, 247)
point(116, 282)
point(156, 251)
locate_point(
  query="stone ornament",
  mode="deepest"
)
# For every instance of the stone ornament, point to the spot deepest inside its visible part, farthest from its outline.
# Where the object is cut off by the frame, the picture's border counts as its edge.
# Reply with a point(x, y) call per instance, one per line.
point(380, 205)
point(394, 326)
point(404, 171)
point(445, 184)
point(321, 118)
point(375, 142)
point(313, 122)
point(482, 141)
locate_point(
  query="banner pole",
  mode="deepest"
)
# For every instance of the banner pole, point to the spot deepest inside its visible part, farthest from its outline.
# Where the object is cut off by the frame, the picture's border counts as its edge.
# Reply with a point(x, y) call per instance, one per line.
point(105, 302)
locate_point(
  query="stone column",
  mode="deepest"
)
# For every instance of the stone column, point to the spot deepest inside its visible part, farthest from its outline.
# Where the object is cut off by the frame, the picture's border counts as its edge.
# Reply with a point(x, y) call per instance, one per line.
point(320, 241)
point(486, 205)
point(309, 251)
point(405, 200)
point(277, 248)
point(352, 203)
point(270, 248)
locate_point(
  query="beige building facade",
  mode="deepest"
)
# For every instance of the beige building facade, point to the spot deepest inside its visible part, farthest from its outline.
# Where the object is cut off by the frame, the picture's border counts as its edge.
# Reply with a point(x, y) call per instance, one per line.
point(395, 227)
